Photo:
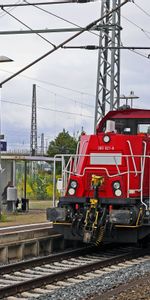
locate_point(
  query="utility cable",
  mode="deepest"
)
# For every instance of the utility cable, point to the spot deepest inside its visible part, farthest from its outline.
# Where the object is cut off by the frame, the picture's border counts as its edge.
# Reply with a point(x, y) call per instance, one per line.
point(146, 33)
point(45, 3)
point(27, 26)
point(52, 84)
point(141, 54)
point(136, 52)
point(49, 109)
point(143, 30)
point(60, 18)
point(10, 9)
point(64, 97)
point(87, 28)
point(144, 11)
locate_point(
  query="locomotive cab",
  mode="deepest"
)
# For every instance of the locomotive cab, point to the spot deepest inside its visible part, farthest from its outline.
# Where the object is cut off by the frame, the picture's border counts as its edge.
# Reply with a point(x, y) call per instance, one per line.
point(106, 195)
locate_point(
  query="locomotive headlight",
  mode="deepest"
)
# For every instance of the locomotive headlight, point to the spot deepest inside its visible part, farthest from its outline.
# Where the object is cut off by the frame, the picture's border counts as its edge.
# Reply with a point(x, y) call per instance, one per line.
point(106, 139)
point(118, 193)
point(71, 191)
point(73, 184)
point(116, 185)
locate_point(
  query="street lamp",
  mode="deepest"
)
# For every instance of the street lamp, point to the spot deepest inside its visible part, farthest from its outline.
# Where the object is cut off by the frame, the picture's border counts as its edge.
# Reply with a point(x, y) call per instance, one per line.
point(3, 59)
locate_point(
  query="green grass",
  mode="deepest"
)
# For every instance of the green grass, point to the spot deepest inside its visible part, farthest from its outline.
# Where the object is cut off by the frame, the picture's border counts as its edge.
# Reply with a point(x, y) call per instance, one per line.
point(24, 218)
point(40, 204)
point(28, 217)
point(3, 217)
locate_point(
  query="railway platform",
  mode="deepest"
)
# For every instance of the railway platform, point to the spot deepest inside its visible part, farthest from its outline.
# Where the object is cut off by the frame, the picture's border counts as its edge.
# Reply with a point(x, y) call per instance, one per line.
point(30, 240)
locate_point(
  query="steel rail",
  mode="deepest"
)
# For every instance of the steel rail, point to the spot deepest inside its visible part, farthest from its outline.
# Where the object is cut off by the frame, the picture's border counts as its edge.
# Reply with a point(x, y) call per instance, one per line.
point(6, 269)
point(61, 275)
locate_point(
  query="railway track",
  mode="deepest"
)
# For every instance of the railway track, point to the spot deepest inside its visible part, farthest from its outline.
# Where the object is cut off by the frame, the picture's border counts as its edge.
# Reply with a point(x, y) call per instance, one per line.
point(35, 277)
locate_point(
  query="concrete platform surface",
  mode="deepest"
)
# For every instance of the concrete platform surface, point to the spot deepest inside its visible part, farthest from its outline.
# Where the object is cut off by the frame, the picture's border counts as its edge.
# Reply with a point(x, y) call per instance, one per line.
point(10, 229)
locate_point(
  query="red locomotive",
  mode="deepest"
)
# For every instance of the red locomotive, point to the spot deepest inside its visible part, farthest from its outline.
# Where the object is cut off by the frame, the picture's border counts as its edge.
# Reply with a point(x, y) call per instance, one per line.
point(107, 183)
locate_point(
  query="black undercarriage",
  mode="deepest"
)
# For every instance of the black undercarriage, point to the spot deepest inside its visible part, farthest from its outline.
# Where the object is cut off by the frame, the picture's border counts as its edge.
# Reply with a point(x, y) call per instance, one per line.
point(99, 220)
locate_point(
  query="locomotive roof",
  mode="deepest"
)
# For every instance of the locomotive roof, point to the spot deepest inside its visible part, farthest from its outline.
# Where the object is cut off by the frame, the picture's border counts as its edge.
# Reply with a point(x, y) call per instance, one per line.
point(125, 114)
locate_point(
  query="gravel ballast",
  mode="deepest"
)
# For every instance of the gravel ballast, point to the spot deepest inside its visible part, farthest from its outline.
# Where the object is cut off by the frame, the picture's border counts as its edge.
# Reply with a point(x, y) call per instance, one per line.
point(99, 285)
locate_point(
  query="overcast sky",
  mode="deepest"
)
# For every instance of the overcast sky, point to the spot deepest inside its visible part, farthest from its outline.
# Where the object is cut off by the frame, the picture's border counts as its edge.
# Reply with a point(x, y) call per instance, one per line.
point(65, 80)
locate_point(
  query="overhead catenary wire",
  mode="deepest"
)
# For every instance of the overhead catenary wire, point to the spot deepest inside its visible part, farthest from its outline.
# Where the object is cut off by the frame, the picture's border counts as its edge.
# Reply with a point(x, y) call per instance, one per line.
point(133, 50)
point(52, 84)
point(49, 109)
point(95, 47)
point(143, 10)
point(45, 3)
point(140, 54)
point(10, 9)
point(121, 47)
point(146, 33)
point(140, 28)
point(61, 18)
point(64, 97)
point(87, 28)
point(18, 20)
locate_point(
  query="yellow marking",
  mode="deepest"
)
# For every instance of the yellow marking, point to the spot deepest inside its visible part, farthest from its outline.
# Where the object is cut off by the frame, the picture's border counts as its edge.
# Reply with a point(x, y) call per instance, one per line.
point(86, 218)
point(93, 201)
point(128, 226)
point(138, 218)
point(96, 218)
point(61, 223)
point(97, 180)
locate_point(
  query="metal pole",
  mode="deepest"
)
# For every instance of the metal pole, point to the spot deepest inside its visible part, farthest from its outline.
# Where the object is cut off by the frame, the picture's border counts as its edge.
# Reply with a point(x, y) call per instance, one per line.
point(25, 179)
point(14, 173)
point(0, 156)
point(54, 182)
point(52, 30)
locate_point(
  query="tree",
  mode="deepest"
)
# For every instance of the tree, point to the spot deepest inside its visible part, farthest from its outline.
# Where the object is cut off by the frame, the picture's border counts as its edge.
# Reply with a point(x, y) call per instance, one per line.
point(64, 143)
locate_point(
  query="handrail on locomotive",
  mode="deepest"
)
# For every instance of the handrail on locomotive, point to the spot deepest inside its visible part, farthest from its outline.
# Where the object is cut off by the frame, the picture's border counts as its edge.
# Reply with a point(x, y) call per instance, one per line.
point(73, 160)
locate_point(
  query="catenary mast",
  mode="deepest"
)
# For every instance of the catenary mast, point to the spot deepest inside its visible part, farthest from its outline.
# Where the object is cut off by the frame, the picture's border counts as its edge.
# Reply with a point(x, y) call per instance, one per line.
point(33, 137)
point(108, 72)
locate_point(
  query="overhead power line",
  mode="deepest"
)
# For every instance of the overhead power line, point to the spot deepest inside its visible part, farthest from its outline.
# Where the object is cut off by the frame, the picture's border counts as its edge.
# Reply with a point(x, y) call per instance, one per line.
point(27, 27)
point(144, 11)
point(53, 84)
point(95, 47)
point(140, 54)
point(61, 18)
point(145, 32)
point(87, 28)
point(66, 98)
point(45, 3)
point(137, 26)
point(49, 109)
point(10, 9)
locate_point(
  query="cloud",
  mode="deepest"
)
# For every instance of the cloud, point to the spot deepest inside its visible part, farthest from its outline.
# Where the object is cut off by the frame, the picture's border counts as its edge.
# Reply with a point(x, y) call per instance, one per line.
point(73, 69)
